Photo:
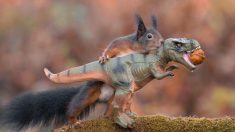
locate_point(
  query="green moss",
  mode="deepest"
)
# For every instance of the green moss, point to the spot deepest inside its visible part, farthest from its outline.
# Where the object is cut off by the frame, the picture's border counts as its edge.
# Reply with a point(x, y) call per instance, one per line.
point(159, 124)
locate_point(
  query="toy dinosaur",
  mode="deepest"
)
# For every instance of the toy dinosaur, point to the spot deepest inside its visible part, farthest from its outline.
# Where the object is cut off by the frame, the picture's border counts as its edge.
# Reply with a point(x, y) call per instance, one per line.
point(130, 73)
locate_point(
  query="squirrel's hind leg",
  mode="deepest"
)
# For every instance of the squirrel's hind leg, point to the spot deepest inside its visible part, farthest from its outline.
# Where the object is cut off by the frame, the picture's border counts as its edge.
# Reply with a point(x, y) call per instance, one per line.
point(81, 101)
point(109, 109)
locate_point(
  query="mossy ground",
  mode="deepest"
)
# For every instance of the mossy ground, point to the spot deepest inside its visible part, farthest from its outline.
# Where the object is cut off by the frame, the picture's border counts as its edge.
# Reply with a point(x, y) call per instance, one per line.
point(158, 124)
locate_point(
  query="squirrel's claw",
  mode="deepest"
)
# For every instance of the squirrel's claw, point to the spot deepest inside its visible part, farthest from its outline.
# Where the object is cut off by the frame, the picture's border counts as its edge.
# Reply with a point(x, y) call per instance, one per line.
point(103, 59)
point(73, 122)
point(74, 125)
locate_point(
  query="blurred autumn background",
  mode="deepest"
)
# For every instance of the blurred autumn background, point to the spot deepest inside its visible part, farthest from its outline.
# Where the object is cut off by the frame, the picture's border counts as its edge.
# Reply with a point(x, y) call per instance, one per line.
point(59, 34)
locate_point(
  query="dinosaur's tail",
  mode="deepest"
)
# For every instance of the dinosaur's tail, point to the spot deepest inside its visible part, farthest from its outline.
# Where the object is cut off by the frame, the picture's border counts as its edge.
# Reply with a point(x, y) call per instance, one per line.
point(77, 74)
point(43, 108)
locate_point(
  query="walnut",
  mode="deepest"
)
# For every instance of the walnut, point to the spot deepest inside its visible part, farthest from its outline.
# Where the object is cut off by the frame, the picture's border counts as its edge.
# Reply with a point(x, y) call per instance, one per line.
point(197, 57)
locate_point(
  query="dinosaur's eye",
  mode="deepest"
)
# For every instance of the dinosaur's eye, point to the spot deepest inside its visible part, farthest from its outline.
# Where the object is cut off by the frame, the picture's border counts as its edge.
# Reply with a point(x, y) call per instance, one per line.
point(178, 45)
point(149, 36)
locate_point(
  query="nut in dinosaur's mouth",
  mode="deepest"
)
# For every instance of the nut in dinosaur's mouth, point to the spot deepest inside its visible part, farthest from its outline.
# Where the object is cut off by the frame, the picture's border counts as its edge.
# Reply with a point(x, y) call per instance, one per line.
point(194, 57)
point(197, 56)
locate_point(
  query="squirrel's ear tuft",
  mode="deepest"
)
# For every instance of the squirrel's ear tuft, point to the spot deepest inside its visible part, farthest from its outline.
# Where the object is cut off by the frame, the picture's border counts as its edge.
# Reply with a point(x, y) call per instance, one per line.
point(141, 29)
point(154, 21)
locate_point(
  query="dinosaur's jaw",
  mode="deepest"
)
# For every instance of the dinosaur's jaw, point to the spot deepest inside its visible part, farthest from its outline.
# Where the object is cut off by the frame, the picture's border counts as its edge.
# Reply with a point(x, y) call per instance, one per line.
point(187, 60)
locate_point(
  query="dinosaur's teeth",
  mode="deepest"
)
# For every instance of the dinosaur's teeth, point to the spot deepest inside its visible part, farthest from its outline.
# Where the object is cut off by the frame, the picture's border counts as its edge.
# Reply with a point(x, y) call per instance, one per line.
point(190, 51)
point(199, 47)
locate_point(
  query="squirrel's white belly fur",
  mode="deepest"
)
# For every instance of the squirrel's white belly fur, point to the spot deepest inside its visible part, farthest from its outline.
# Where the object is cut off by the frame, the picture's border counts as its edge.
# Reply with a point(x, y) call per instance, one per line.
point(106, 93)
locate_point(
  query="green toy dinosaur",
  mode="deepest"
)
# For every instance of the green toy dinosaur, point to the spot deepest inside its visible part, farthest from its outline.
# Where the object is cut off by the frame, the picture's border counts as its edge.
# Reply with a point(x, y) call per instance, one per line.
point(130, 73)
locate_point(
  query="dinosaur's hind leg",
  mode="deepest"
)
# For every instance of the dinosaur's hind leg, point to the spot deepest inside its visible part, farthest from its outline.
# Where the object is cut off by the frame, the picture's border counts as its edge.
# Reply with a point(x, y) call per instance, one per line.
point(122, 103)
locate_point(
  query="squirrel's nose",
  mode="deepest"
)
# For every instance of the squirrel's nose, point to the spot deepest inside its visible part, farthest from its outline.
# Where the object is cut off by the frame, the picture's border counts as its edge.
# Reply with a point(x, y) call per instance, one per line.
point(161, 41)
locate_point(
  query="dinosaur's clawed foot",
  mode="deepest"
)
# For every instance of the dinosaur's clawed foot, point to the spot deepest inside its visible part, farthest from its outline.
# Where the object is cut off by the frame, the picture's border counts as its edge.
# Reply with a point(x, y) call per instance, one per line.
point(131, 114)
point(124, 120)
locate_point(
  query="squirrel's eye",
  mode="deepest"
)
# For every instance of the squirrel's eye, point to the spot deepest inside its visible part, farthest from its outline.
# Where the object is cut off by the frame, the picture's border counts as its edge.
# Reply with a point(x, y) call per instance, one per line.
point(149, 36)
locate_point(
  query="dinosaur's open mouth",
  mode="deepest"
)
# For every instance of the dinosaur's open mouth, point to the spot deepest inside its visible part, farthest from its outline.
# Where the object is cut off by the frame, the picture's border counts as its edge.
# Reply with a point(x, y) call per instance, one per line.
point(188, 60)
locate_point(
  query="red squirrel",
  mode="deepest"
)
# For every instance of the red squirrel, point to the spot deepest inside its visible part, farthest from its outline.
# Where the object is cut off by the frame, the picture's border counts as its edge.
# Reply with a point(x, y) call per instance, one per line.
point(133, 42)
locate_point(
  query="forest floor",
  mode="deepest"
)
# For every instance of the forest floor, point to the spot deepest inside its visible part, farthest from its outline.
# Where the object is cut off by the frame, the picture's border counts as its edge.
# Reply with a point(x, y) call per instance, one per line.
point(158, 124)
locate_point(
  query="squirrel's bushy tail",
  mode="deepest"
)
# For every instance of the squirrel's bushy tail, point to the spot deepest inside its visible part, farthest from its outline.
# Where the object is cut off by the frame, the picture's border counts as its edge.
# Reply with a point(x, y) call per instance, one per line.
point(43, 108)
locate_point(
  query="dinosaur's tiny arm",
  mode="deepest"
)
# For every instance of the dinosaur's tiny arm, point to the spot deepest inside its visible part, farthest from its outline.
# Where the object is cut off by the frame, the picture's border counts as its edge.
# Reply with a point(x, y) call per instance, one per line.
point(158, 72)
point(172, 67)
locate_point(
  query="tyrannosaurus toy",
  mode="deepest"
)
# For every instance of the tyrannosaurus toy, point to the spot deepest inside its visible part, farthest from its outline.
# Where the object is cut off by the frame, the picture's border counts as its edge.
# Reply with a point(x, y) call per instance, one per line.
point(130, 73)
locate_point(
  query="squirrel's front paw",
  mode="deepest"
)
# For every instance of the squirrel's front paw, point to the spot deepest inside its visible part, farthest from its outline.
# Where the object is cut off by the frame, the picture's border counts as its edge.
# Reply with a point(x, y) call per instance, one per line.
point(73, 123)
point(124, 120)
point(103, 59)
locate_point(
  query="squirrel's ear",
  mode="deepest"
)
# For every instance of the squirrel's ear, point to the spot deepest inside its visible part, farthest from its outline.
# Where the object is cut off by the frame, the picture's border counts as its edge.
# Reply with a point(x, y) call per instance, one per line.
point(141, 29)
point(154, 21)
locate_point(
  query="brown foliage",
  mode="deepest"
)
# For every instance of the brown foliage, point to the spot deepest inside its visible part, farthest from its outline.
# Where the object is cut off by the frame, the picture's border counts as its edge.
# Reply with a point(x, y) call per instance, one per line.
point(62, 34)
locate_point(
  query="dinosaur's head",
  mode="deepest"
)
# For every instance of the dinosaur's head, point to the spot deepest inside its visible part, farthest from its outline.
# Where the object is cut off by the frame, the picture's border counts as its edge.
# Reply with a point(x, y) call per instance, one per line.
point(181, 50)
